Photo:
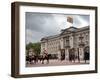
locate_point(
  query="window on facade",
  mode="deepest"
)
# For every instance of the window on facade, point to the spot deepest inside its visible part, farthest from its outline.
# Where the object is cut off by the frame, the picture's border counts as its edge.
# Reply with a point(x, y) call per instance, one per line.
point(86, 37)
point(67, 42)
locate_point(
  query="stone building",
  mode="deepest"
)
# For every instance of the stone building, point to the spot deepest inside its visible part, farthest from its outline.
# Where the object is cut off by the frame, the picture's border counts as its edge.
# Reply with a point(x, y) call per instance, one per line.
point(69, 38)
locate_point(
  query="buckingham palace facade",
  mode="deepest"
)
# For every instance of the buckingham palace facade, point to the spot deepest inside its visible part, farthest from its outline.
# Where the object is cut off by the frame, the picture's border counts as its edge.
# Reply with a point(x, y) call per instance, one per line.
point(69, 38)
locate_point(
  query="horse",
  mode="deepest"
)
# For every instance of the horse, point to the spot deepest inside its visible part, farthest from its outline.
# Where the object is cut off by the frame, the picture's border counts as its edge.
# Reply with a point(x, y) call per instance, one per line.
point(86, 56)
point(30, 59)
point(44, 57)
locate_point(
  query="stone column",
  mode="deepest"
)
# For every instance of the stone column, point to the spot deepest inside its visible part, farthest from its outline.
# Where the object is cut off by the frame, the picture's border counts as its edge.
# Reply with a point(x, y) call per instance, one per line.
point(42, 46)
point(81, 53)
point(67, 54)
point(59, 55)
point(45, 45)
point(61, 43)
point(81, 47)
point(71, 41)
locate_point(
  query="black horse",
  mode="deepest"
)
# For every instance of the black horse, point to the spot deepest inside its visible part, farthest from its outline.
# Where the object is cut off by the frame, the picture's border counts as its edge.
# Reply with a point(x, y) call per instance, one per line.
point(28, 59)
point(86, 53)
point(44, 57)
point(33, 59)
point(86, 56)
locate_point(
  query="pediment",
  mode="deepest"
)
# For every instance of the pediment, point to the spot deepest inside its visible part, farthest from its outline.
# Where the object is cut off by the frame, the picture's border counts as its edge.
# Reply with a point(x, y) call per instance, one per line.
point(69, 30)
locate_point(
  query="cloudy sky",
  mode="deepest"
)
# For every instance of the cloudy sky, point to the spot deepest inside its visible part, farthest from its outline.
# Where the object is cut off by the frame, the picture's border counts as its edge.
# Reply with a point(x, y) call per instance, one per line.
point(39, 25)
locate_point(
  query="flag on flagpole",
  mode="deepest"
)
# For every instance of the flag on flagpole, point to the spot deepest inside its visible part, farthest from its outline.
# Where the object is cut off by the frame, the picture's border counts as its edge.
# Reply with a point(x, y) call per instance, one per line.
point(70, 19)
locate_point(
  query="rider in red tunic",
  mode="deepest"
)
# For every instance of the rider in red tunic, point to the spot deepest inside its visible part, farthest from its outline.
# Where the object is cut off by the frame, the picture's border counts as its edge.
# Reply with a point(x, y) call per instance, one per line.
point(45, 52)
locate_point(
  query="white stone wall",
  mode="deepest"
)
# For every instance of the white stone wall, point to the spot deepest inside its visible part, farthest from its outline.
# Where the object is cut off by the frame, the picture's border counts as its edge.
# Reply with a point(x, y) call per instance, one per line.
point(53, 45)
point(71, 41)
point(61, 43)
point(66, 54)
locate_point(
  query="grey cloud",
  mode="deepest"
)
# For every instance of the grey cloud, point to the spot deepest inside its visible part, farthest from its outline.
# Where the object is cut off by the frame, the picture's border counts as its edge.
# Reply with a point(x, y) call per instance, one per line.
point(37, 21)
point(39, 25)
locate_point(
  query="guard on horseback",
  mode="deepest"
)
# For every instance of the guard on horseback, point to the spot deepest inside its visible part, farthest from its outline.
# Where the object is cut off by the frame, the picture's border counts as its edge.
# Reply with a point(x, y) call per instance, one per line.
point(45, 56)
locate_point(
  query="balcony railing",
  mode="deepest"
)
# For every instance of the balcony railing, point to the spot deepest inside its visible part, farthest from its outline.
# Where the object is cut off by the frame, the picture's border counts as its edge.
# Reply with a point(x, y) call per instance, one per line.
point(67, 46)
point(81, 44)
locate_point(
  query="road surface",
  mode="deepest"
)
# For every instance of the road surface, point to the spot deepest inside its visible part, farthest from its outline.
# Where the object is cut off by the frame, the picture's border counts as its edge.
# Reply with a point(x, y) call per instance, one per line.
point(56, 63)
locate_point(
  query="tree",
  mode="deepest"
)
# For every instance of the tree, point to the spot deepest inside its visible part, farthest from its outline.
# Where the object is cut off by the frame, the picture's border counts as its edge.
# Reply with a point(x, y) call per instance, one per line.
point(35, 46)
point(28, 46)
